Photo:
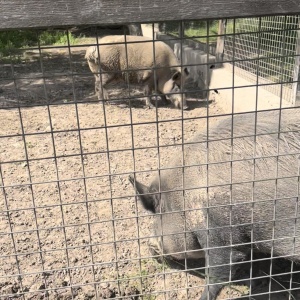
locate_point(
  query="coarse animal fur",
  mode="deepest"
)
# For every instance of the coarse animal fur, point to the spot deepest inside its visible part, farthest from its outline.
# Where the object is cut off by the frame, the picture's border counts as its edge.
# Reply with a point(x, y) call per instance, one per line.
point(231, 195)
point(135, 62)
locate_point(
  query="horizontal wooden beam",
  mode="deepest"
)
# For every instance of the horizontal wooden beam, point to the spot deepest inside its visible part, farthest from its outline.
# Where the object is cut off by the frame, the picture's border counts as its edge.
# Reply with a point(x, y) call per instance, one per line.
point(45, 13)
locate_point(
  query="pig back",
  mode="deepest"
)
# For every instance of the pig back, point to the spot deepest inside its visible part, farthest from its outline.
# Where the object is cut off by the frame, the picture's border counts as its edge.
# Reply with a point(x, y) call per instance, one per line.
point(136, 56)
point(245, 169)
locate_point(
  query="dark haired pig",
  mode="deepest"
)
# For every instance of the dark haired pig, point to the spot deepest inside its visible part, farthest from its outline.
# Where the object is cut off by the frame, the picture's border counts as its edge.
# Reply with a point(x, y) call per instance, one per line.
point(241, 187)
point(116, 59)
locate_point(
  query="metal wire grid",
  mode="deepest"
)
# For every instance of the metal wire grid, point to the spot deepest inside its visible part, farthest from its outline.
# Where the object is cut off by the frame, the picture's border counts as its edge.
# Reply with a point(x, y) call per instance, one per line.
point(68, 210)
point(278, 36)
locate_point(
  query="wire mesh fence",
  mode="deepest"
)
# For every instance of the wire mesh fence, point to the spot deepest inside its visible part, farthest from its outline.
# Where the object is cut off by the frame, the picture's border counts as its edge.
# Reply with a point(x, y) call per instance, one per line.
point(72, 224)
point(265, 48)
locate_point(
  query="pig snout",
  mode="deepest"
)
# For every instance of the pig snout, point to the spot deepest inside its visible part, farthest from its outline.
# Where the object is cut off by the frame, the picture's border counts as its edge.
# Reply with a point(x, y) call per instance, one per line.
point(179, 101)
point(174, 93)
point(169, 248)
point(154, 246)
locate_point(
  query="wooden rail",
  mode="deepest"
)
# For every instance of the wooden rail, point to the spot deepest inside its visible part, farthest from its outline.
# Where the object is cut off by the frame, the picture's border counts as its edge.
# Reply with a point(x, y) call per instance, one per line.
point(44, 13)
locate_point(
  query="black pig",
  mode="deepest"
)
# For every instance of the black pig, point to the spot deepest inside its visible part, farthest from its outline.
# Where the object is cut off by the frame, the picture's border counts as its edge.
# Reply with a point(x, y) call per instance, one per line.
point(230, 195)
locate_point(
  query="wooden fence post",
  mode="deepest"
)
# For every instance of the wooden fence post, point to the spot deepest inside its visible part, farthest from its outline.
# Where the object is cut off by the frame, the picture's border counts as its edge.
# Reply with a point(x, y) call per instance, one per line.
point(221, 41)
point(296, 78)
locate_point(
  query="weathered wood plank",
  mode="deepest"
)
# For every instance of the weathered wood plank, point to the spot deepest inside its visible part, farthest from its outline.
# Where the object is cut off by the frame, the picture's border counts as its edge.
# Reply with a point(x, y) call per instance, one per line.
point(45, 13)
point(220, 41)
point(296, 75)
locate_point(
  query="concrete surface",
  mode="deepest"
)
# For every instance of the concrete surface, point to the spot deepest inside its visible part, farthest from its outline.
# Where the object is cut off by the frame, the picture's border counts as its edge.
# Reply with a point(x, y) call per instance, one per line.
point(233, 93)
point(236, 94)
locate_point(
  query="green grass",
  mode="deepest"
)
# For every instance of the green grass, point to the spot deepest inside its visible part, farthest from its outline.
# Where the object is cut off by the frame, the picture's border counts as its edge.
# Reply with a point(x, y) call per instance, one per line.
point(198, 30)
point(55, 38)
point(14, 40)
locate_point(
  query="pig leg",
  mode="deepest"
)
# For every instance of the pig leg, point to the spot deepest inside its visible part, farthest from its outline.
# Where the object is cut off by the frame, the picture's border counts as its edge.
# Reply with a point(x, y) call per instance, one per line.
point(218, 275)
point(100, 85)
point(219, 263)
point(220, 270)
point(148, 91)
point(96, 77)
point(145, 78)
point(94, 67)
point(100, 91)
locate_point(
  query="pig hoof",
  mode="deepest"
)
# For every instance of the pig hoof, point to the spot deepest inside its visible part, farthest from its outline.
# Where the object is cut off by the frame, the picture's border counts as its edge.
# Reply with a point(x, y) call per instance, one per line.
point(149, 106)
point(122, 105)
point(165, 101)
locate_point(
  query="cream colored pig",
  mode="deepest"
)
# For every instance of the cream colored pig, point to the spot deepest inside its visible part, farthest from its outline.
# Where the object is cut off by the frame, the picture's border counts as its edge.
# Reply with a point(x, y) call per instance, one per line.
point(136, 63)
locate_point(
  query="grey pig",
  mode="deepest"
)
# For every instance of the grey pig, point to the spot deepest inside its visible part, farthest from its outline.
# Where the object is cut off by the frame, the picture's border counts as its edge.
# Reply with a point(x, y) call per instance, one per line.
point(116, 58)
point(237, 195)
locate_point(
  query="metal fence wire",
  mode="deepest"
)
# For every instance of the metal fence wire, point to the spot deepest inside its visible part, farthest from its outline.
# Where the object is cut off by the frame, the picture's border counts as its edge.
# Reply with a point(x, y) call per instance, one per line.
point(224, 205)
point(265, 47)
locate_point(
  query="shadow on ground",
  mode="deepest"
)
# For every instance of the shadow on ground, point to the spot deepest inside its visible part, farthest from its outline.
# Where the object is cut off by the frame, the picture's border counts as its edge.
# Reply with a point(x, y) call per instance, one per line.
point(285, 275)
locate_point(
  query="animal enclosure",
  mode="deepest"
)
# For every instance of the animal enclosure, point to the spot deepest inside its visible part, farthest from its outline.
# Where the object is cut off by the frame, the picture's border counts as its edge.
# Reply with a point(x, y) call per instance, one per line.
point(275, 35)
point(110, 198)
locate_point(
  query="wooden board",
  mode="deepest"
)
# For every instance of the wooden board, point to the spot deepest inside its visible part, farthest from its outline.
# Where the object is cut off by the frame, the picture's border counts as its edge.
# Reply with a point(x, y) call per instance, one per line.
point(44, 13)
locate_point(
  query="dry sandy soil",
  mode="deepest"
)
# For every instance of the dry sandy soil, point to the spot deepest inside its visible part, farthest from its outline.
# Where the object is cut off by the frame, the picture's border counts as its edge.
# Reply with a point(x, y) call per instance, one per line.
point(70, 225)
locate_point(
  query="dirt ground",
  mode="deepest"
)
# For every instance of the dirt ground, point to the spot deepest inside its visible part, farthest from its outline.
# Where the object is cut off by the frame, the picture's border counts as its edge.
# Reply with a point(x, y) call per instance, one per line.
point(70, 225)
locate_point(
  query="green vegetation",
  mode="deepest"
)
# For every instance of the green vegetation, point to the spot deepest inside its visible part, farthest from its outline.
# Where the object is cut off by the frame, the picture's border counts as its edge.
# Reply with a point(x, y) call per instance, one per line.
point(265, 46)
point(198, 30)
point(11, 41)
point(57, 38)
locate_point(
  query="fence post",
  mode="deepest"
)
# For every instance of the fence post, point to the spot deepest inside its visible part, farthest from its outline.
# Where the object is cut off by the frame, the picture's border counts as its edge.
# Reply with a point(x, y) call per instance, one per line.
point(296, 68)
point(221, 41)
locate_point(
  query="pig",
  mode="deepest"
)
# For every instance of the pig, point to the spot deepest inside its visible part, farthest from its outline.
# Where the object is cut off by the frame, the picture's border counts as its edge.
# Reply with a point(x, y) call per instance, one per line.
point(136, 64)
point(232, 194)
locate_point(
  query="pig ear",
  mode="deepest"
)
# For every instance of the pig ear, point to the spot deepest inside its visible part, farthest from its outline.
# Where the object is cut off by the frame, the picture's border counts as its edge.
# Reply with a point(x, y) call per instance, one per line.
point(146, 75)
point(176, 76)
point(150, 202)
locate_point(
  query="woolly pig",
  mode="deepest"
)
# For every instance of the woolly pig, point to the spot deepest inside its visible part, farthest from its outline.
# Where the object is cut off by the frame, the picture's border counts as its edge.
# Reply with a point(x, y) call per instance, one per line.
point(135, 63)
point(237, 196)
